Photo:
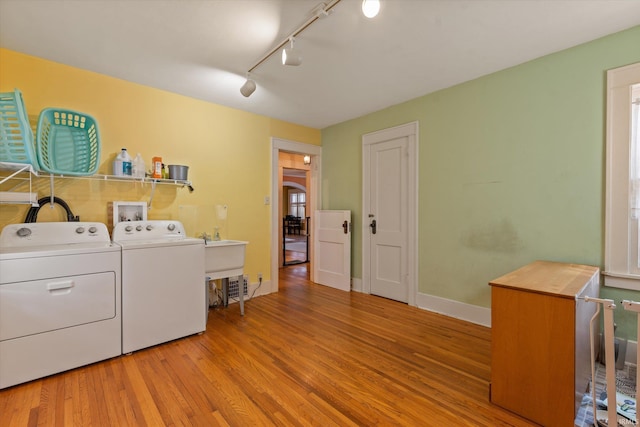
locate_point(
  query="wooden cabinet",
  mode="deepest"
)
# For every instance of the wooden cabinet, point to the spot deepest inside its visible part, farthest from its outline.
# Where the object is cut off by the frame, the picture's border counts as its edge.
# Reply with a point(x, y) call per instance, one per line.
point(540, 350)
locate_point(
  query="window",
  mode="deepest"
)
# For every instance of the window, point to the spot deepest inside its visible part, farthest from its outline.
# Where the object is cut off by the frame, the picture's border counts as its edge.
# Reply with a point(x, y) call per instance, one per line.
point(634, 166)
point(622, 239)
point(297, 202)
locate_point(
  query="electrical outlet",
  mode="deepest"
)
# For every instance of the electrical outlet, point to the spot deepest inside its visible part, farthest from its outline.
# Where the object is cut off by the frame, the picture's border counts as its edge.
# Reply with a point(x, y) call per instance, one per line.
point(259, 277)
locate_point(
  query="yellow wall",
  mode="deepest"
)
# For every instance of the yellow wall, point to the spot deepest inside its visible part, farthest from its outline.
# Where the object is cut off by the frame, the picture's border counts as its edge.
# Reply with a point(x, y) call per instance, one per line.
point(227, 151)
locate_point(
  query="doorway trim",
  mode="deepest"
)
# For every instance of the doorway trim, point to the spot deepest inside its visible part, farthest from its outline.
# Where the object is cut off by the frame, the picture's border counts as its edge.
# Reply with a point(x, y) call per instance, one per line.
point(315, 151)
point(411, 131)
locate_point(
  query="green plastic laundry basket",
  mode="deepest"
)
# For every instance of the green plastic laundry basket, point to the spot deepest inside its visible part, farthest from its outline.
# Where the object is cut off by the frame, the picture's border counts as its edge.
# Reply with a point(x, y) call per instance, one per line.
point(16, 136)
point(68, 142)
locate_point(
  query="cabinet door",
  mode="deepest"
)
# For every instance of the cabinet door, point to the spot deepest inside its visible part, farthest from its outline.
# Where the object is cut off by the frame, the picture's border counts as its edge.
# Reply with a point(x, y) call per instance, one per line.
point(532, 355)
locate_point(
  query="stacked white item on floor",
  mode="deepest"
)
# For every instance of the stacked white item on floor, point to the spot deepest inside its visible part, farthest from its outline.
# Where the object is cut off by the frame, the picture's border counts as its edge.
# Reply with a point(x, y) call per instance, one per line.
point(623, 409)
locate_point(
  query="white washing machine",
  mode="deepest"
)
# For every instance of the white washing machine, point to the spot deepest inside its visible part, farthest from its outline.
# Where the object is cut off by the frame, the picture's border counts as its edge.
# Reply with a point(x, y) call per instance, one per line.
point(60, 298)
point(163, 291)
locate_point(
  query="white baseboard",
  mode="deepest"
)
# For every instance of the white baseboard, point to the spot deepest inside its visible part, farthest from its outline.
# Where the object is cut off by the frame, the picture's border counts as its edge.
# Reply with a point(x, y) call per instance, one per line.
point(264, 289)
point(447, 307)
point(482, 316)
point(456, 309)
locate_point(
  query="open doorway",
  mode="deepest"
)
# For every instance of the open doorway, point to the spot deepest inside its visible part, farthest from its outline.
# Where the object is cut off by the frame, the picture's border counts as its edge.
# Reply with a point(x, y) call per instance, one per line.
point(291, 155)
point(296, 220)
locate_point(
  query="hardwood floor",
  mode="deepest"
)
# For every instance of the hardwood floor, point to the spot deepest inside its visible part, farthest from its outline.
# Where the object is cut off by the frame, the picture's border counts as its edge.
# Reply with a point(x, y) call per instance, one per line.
point(294, 257)
point(307, 355)
point(295, 250)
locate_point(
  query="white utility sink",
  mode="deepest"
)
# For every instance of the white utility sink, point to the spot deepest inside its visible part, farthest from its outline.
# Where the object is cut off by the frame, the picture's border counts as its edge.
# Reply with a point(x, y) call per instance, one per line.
point(224, 258)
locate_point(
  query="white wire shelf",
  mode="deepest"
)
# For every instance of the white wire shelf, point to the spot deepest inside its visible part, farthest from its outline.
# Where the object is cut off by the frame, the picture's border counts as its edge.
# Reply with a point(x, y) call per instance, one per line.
point(17, 171)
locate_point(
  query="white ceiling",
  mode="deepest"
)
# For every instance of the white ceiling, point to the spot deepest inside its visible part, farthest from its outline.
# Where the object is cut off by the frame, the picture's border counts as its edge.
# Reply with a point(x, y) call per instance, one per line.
point(351, 65)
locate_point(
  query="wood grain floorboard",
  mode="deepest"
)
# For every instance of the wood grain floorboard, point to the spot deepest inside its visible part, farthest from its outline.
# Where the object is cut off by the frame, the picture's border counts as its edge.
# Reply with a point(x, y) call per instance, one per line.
point(305, 356)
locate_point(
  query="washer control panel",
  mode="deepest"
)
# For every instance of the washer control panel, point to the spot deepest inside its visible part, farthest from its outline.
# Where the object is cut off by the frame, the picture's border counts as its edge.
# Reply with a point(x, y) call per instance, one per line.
point(148, 230)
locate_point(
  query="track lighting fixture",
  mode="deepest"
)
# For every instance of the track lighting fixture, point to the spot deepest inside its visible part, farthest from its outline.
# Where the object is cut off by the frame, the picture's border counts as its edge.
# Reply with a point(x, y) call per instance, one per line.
point(248, 87)
point(291, 56)
point(321, 11)
point(370, 8)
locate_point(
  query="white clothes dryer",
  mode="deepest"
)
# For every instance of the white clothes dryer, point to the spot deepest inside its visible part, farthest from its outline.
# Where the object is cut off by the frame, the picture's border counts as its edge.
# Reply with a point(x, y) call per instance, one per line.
point(163, 288)
point(60, 298)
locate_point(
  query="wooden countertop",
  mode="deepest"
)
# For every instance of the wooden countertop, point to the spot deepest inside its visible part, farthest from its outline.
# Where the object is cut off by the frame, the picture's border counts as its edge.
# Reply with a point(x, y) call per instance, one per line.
point(548, 277)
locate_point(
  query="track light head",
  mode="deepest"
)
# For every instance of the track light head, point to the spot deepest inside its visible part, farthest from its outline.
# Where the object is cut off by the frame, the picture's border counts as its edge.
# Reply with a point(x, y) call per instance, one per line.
point(248, 88)
point(320, 11)
point(291, 56)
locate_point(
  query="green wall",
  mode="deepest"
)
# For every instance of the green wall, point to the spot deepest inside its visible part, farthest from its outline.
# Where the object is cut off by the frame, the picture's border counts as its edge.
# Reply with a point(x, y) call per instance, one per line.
point(511, 170)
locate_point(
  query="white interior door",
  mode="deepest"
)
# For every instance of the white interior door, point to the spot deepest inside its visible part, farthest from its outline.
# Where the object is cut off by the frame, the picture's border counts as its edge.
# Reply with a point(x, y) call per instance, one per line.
point(389, 202)
point(332, 266)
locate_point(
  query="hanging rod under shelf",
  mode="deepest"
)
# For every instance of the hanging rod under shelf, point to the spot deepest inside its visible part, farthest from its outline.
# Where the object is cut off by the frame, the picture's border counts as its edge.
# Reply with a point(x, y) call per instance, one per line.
point(19, 198)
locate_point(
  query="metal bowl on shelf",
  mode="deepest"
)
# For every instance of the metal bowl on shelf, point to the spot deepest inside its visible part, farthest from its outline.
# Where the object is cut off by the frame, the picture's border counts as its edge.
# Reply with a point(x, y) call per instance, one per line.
point(178, 172)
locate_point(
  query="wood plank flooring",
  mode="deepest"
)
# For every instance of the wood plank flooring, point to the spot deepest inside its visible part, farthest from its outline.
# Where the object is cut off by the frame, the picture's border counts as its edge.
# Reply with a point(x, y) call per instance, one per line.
point(291, 254)
point(307, 355)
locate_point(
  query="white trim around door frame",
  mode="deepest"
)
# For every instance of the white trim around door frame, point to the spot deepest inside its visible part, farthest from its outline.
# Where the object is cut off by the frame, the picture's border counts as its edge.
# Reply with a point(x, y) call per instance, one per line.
point(315, 151)
point(410, 130)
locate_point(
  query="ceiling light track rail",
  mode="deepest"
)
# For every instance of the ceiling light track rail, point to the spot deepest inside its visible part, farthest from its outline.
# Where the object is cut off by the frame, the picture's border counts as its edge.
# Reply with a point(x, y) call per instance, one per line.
point(320, 12)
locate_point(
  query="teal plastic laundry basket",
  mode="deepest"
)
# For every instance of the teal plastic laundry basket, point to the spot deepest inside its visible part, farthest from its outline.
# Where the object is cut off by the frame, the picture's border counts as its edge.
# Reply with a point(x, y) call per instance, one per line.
point(68, 142)
point(16, 136)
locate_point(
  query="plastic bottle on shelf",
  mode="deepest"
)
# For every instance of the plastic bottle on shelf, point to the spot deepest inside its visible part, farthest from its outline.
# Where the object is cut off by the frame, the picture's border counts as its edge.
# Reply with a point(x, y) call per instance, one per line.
point(156, 167)
point(126, 162)
point(117, 166)
point(138, 167)
point(120, 166)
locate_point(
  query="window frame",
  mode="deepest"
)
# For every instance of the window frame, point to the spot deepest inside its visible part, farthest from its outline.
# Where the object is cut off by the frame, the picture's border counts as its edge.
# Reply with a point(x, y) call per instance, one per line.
point(297, 205)
point(621, 269)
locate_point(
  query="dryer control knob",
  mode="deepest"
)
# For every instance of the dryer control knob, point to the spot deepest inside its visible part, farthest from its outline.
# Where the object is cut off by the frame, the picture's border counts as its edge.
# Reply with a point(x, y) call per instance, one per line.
point(24, 232)
point(171, 226)
point(92, 230)
point(128, 228)
point(80, 230)
point(138, 228)
point(149, 227)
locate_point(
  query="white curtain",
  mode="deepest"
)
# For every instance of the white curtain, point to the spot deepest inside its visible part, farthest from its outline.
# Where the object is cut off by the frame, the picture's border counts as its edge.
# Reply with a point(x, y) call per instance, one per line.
point(634, 174)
